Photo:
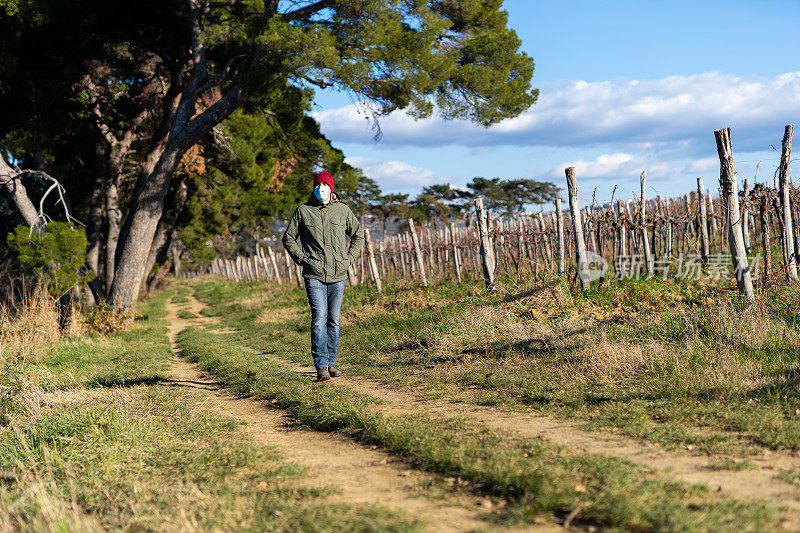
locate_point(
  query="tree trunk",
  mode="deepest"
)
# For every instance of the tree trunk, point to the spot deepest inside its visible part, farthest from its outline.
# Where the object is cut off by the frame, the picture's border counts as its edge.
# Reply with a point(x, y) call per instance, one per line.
point(144, 221)
point(159, 276)
point(95, 221)
point(113, 217)
point(177, 199)
point(154, 151)
point(149, 204)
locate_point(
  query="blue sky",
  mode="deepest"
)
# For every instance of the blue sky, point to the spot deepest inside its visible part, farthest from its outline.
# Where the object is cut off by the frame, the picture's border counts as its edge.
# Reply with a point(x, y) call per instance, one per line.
point(624, 87)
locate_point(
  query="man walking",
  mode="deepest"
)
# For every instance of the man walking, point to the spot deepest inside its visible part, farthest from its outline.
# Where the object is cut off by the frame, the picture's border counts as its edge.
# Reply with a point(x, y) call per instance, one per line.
point(315, 238)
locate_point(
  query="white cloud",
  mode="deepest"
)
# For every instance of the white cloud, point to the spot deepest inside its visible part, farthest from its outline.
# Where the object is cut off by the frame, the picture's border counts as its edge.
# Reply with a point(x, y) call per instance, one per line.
point(604, 165)
point(618, 165)
point(699, 166)
point(674, 111)
point(394, 175)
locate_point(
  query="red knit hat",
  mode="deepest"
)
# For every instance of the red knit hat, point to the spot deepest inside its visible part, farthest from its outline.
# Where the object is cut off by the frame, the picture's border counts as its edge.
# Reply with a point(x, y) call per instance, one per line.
point(324, 177)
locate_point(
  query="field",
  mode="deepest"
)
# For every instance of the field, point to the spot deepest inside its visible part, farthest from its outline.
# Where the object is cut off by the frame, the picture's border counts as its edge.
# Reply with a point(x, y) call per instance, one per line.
point(641, 405)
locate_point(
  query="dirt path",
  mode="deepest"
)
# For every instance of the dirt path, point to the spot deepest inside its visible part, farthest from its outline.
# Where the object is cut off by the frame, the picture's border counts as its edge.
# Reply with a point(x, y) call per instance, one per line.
point(759, 481)
point(361, 475)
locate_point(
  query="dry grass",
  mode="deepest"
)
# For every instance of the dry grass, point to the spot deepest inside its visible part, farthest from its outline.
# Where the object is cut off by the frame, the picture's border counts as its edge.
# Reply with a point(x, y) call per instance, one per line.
point(27, 330)
point(279, 316)
point(538, 333)
point(25, 334)
point(754, 328)
point(605, 361)
point(412, 300)
point(54, 512)
point(261, 295)
point(479, 330)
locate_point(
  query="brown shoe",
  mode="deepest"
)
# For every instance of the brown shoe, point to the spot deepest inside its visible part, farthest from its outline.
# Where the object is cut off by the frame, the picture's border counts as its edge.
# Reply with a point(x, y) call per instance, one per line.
point(322, 374)
point(334, 371)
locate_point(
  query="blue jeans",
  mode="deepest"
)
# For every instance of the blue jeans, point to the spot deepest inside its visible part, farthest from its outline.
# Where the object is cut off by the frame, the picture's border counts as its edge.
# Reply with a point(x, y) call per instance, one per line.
point(326, 304)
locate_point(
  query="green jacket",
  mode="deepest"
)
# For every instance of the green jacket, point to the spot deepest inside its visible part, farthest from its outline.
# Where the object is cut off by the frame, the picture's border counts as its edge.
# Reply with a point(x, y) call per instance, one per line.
point(315, 238)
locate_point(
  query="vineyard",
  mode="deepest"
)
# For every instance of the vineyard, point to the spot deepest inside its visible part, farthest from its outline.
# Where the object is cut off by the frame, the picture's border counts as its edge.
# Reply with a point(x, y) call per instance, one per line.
point(699, 234)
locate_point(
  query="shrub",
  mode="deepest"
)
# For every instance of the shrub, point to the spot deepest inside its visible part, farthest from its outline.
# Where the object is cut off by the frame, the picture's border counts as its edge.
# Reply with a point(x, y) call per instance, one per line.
point(56, 255)
point(104, 319)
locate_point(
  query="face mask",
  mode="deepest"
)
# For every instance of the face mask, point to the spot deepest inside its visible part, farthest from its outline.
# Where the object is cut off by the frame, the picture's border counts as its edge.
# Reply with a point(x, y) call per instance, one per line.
point(322, 192)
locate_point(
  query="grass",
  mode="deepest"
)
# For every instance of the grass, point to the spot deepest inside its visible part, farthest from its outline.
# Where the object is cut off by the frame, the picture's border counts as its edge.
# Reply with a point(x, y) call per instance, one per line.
point(135, 356)
point(181, 295)
point(730, 464)
point(683, 364)
point(94, 440)
point(78, 465)
point(532, 475)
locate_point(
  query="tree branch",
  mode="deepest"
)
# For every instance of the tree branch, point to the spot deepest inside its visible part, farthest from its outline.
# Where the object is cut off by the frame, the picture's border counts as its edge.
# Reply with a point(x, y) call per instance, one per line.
point(319, 83)
point(199, 74)
point(202, 123)
point(307, 11)
point(9, 178)
point(219, 80)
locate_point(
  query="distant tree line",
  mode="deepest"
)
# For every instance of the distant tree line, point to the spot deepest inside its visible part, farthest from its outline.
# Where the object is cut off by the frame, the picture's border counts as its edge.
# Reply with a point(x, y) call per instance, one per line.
point(443, 201)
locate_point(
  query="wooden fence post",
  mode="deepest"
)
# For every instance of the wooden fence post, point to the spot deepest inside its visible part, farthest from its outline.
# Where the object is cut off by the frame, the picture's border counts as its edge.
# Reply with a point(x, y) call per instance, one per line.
point(796, 218)
point(274, 265)
point(250, 263)
point(456, 252)
point(548, 250)
point(562, 252)
point(580, 244)
point(289, 263)
point(238, 269)
point(487, 257)
point(714, 225)
point(727, 179)
point(746, 215)
point(648, 254)
point(372, 263)
point(260, 254)
point(703, 226)
point(622, 258)
point(431, 263)
point(382, 253)
point(418, 252)
point(786, 205)
point(351, 275)
point(765, 240)
point(670, 236)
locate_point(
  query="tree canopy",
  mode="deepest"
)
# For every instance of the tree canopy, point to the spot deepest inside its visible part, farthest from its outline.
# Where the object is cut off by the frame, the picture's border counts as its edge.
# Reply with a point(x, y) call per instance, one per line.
point(119, 101)
point(512, 195)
